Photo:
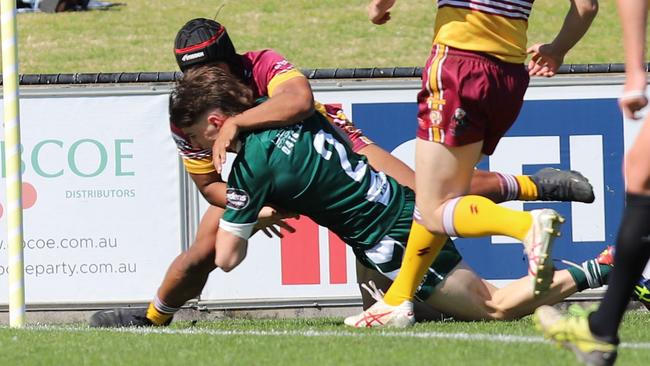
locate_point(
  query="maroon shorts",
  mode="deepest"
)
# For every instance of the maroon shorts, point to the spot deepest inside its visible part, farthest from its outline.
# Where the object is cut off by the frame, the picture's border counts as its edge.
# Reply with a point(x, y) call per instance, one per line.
point(468, 97)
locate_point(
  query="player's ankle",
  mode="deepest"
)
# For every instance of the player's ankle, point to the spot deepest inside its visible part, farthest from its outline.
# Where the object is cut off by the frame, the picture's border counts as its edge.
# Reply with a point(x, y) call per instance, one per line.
point(159, 313)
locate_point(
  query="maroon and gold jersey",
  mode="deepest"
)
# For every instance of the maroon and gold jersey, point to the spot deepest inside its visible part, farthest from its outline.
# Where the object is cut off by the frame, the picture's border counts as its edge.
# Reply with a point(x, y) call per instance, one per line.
point(263, 71)
point(495, 27)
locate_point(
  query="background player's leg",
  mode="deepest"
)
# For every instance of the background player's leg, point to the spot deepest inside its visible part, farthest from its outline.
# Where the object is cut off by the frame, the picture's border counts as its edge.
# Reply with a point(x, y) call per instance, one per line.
point(466, 296)
point(463, 295)
point(516, 300)
point(381, 160)
point(184, 280)
point(547, 184)
point(633, 242)
point(445, 173)
point(188, 273)
point(422, 310)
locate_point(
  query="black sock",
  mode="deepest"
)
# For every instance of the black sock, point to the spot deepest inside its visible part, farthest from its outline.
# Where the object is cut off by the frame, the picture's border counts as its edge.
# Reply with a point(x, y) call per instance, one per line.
point(632, 252)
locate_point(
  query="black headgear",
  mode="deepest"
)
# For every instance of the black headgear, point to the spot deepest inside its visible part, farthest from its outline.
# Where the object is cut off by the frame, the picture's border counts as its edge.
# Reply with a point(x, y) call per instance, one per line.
point(203, 41)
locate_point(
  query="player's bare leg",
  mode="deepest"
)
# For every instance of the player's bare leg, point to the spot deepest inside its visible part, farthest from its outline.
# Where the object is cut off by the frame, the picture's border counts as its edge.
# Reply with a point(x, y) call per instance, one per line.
point(515, 300)
point(183, 281)
point(189, 272)
point(483, 183)
point(455, 167)
point(445, 174)
point(381, 160)
point(466, 296)
point(547, 184)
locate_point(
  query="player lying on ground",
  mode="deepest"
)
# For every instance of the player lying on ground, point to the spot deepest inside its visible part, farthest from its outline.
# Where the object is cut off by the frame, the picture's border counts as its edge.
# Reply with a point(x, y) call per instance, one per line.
point(308, 168)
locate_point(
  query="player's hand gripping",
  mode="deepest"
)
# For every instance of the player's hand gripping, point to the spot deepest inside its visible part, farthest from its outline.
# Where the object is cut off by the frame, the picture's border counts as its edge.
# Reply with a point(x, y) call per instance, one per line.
point(545, 60)
point(271, 220)
point(378, 11)
point(228, 134)
point(633, 98)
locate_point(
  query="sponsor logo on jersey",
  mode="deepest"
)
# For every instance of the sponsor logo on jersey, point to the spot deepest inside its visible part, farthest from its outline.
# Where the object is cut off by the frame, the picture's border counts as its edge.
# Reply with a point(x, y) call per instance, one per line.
point(282, 65)
point(192, 56)
point(286, 139)
point(237, 199)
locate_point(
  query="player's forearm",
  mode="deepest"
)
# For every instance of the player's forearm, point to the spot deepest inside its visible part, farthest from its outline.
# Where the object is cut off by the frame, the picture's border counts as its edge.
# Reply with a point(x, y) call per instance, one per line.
point(212, 188)
point(576, 23)
point(215, 194)
point(633, 15)
point(283, 109)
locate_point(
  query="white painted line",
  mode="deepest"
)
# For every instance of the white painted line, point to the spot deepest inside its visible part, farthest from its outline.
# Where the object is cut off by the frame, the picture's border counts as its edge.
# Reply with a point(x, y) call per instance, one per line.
point(497, 338)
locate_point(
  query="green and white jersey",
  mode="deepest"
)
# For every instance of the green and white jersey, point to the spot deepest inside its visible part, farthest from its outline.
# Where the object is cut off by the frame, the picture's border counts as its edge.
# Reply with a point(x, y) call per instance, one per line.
point(309, 169)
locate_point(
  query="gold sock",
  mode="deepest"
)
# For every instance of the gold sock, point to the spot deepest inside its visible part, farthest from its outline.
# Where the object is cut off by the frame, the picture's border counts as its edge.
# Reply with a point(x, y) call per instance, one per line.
point(157, 317)
point(422, 248)
point(476, 216)
point(527, 188)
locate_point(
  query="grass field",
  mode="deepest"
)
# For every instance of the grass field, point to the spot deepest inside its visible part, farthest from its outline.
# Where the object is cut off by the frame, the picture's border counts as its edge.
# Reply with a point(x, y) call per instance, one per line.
point(305, 342)
point(312, 34)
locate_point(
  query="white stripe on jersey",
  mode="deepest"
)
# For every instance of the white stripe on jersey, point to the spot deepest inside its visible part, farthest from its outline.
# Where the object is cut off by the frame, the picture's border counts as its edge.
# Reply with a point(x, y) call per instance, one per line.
point(490, 7)
point(186, 150)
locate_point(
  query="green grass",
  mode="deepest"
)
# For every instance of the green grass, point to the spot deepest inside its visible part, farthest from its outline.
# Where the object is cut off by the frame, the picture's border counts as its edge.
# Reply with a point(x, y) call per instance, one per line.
point(312, 34)
point(304, 342)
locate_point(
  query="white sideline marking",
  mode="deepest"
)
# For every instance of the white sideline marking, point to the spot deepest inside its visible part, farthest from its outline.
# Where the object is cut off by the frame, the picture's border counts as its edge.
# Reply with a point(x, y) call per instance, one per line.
point(499, 338)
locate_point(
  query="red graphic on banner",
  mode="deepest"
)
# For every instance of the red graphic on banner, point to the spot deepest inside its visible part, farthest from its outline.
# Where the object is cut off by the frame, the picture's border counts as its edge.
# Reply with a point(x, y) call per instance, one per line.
point(338, 265)
point(300, 255)
point(29, 197)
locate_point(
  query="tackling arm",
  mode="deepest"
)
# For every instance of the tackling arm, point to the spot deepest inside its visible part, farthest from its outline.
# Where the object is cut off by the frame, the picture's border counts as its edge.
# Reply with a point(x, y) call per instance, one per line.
point(291, 102)
point(211, 187)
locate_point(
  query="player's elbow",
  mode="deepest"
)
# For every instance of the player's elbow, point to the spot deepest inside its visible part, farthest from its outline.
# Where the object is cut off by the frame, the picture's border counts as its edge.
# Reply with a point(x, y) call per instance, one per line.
point(304, 105)
point(229, 261)
point(226, 265)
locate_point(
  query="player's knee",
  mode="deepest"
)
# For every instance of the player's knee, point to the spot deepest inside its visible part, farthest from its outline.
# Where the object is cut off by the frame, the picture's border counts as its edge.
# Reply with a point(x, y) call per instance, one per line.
point(498, 309)
point(431, 224)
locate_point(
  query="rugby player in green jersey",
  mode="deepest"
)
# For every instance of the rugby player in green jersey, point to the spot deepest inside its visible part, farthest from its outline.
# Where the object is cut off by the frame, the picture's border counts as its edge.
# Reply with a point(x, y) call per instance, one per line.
point(308, 168)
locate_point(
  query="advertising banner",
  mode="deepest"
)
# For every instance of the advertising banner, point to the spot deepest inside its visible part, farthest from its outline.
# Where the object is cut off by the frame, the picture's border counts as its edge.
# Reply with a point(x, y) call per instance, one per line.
point(105, 206)
point(101, 198)
point(564, 125)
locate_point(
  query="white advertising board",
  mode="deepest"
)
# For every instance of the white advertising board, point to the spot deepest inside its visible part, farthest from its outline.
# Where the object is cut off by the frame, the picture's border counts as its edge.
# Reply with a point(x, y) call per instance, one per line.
point(105, 204)
point(565, 125)
point(101, 195)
